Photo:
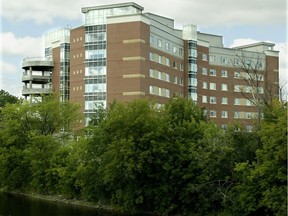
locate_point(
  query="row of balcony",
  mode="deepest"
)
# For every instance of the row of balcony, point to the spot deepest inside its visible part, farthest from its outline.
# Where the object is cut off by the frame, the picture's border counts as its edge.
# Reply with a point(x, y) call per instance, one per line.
point(36, 91)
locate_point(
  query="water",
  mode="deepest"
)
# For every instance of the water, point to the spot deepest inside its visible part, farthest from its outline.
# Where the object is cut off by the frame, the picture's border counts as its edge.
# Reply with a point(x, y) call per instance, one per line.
point(19, 205)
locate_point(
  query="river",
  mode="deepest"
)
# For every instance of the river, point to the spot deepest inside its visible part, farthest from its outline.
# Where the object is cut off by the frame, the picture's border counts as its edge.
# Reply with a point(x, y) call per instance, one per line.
point(20, 205)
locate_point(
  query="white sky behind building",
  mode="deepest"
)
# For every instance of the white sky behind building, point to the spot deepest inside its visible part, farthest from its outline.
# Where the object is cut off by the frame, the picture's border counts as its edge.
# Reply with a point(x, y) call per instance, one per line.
point(23, 24)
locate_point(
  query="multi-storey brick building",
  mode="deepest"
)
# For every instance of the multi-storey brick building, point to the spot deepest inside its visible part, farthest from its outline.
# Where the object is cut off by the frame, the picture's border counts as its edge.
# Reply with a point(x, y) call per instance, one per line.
point(121, 53)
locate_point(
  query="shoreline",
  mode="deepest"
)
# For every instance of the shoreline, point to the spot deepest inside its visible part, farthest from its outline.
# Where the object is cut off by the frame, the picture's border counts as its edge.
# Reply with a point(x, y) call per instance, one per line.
point(75, 202)
point(62, 200)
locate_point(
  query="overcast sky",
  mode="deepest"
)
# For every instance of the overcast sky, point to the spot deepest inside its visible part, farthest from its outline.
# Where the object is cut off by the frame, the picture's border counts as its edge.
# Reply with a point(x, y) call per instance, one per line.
point(24, 22)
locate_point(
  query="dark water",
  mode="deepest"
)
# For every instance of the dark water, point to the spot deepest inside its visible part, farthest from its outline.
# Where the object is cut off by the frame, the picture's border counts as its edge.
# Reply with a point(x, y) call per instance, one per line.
point(19, 205)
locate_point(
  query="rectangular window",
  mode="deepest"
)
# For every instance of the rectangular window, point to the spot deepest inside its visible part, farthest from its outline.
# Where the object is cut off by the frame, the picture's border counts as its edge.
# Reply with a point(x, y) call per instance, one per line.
point(204, 71)
point(249, 102)
point(248, 115)
point(167, 62)
point(236, 115)
point(212, 72)
point(204, 99)
point(160, 59)
point(159, 43)
point(174, 49)
point(212, 86)
point(237, 88)
point(181, 67)
point(167, 46)
point(236, 75)
point(175, 65)
point(151, 39)
point(204, 85)
point(180, 51)
point(249, 128)
point(237, 101)
point(175, 79)
point(224, 60)
point(212, 58)
point(224, 87)
point(181, 81)
point(204, 57)
point(224, 100)
point(212, 100)
point(151, 56)
point(224, 73)
point(224, 114)
point(213, 113)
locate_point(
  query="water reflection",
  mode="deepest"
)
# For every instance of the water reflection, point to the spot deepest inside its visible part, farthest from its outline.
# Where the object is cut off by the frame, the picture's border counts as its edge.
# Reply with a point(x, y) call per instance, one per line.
point(19, 205)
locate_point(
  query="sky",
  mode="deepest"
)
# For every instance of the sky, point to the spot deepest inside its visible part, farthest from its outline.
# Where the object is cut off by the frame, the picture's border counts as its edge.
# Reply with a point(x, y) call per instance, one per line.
point(23, 24)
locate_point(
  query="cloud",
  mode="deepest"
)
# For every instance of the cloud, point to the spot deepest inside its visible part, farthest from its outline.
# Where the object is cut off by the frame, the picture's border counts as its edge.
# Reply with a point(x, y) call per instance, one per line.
point(12, 82)
point(22, 46)
point(204, 12)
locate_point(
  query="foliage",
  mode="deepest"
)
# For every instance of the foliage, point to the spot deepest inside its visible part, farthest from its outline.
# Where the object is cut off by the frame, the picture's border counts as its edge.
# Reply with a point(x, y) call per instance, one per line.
point(6, 98)
point(141, 157)
point(262, 187)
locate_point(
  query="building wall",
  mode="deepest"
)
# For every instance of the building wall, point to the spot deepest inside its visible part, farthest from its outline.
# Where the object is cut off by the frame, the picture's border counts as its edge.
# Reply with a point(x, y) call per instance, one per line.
point(56, 69)
point(77, 69)
point(127, 61)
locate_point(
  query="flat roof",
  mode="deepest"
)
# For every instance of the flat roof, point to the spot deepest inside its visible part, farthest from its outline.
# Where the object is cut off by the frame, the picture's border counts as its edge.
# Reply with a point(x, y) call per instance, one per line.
point(109, 6)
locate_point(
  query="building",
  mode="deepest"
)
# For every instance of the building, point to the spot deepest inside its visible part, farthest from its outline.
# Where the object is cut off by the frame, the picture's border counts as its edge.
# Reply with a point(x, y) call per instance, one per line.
point(121, 53)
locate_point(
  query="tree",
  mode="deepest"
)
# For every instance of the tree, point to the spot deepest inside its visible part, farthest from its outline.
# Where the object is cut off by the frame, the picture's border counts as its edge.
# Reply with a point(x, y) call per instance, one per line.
point(257, 82)
point(25, 136)
point(262, 186)
point(165, 160)
point(6, 98)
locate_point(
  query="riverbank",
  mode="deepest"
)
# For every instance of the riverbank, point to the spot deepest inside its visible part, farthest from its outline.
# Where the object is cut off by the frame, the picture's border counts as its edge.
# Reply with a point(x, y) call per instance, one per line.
point(75, 202)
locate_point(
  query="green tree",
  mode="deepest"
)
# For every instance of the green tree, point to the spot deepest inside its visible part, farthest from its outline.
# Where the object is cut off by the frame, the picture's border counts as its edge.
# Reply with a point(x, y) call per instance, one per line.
point(262, 187)
point(163, 160)
point(6, 98)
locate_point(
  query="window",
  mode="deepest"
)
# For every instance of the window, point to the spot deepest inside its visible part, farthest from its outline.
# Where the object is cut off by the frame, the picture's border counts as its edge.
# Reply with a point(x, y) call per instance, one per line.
point(167, 61)
point(175, 79)
point(181, 81)
point(212, 58)
point(213, 100)
point(249, 128)
point(224, 100)
point(204, 99)
point(174, 49)
point(224, 87)
point(236, 115)
point(204, 57)
point(248, 115)
point(181, 67)
point(159, 43)
point(224, 73)
point(151, 56)
point(160, 59)
point(204, 71)
point(249, 102)
point(167, 46)
point(213, 113)
point(236, 101)
point(224, 114)
point(175, 65)
point(204, 85)
point(224, 60)
point(212, 72)
point(237, 88)
point(180, 51)
point(212, 86)
point(236, 75)
point(224, 126)
point(151, 39)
